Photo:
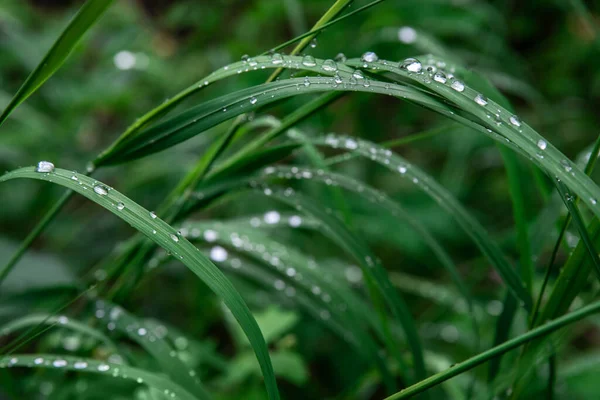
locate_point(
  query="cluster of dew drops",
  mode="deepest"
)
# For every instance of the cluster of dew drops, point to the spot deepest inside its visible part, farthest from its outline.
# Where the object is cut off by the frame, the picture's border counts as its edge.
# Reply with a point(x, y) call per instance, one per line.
point(275, 255)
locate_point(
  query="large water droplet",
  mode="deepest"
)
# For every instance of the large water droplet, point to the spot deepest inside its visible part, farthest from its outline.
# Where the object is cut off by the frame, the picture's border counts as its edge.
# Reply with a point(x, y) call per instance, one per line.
point(358, 75)
point(309, 61)
point(120, 206)
point(277, 59)
point(219, 254)
point(412, 65)
point(329, 66)
point(174, 237)
point(103, 367)
point(541, 144)
point(44, 166)
point(457, 85)
point(369, 56)
point(80, 365)
point(272, 217)
point(514, 120)
point(440, 77)
point(295, 221)
point(481, 100)
point(101, 190)
point(407, 35)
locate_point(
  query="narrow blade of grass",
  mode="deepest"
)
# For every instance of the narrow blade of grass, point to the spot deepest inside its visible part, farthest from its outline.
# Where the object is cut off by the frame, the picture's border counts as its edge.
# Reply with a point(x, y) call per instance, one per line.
point(165, 236)
point(91, 11)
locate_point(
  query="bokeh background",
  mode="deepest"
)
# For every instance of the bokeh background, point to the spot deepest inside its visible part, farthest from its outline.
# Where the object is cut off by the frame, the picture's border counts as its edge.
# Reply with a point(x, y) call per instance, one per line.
point(542, 54)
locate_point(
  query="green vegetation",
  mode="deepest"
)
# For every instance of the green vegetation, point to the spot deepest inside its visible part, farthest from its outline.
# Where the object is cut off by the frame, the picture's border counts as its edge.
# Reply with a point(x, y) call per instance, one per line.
point(381, 200)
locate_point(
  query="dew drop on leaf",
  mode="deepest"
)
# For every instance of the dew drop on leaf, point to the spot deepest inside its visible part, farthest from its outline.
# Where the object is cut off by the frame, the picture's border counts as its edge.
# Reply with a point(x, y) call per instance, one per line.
point(44, 166)
point(411, 65)
point(369, 56)
point(407, 35)
point(457, 85)
point(309, 61)
point(481, 100)
point(101, 190)
point(440, 77)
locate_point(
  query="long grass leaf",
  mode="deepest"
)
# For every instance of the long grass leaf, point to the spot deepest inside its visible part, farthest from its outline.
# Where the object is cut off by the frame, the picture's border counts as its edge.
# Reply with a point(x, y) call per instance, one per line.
point(91, 11)
point(165, 236)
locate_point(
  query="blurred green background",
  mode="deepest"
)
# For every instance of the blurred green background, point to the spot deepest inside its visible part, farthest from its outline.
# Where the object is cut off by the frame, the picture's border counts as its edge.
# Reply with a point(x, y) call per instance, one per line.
point(542, 54)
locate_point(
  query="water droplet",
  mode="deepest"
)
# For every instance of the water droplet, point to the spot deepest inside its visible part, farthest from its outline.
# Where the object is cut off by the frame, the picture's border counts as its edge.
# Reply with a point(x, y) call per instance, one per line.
point(174, 237)
point(351, 144)
point(210, 235)
point(457, 85)
point(313, 43)
point(340, 57)
point(412, 65)
point(277, 59)
point(593, 201)
point(566, 165)
point(80, 365)
point(44, 166)
point(514, 120)
point(295, 221)
point(120, 206)
point(329, 66)
point(541, 144)
point(38, 361)
point(152, 215)
point(337, 78)
point(219, 254)
point(306, 81)
point(59, 363)
point(369, 56)
point(101, 190)
point(142, 331)
point(279, 284)
point(402, 169)
point(103, 367)
point(481, 100)
point(253, 100)
point(440, 77)
point(407, 35)
point(272, 217)
point(309, 61)
point(357, 75)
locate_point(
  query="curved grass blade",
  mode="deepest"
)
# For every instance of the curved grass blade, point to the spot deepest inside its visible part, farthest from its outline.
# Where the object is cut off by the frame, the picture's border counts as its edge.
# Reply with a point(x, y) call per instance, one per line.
point(56, 321)
point(108, 370)
point(487, 355)
point(58, 53)
point(294, 274)
point(165, 236)
point(379, 199)
point(153, 342)
point(429, 186)
point(507, 125)
point(377, 278)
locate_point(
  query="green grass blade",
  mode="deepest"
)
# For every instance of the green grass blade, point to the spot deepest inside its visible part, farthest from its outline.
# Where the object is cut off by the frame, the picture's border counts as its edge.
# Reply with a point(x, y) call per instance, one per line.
point(91, 11)
point(87, 365)
point(487, 355)
point(165, 236)
point(336, 230)
point(56, 321)
point(153, 342)
point(445, 199)
point(323, 291)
